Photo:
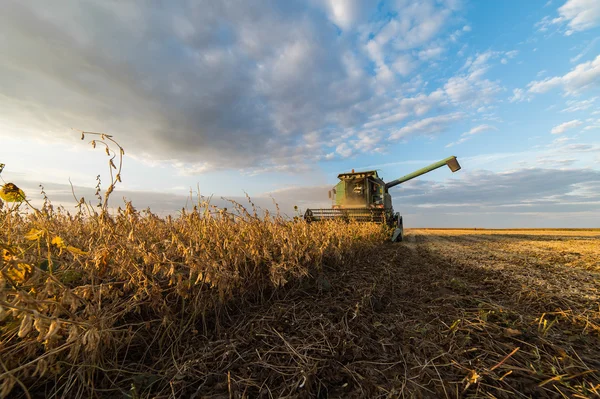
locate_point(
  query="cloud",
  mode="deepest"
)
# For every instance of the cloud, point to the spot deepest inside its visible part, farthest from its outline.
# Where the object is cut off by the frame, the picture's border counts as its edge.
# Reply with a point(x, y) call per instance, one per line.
point(580, 15)
point(519, 188)
point(468, 135)
point(584, 76)
point(413, 25)
point(404, 64)
point(430, 126)
point(585, 51)
point(563, 127)
point(431, 53)
point(313, 196)
point(518, 96)
point(582, 148)
point(574, 106)
point(195, 83)
point(471, 88)
point(345, 13)
point(592, 127)
point(467, 89)
point(344, 150)
point(526, 197)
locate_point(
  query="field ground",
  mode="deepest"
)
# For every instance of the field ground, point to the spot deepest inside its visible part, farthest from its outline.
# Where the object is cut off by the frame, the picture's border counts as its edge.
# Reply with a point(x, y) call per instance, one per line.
point(447, 313)
point(444, 314)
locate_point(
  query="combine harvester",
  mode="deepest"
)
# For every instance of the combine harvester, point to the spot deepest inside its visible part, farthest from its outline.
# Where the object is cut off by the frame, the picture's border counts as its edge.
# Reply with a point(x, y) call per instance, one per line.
point(364, 197)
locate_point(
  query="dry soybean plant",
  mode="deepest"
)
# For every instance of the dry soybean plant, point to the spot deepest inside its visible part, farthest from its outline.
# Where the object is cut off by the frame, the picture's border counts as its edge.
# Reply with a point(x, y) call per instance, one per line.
point(91, 303)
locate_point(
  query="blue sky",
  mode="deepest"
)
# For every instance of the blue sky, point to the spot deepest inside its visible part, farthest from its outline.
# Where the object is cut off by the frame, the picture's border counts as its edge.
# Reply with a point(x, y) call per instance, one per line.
point(276, 98)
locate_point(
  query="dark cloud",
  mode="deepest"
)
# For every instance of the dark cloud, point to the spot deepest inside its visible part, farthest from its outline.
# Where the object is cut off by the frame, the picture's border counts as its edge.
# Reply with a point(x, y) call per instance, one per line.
point(207, 84)
point(525, 197)
point(195, 80)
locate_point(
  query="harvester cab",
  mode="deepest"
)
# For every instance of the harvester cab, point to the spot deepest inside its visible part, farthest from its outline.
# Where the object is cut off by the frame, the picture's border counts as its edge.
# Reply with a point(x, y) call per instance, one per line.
point(365, 197)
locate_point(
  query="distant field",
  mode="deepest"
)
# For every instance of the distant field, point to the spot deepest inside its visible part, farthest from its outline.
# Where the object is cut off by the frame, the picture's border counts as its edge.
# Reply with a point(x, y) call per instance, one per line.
point(560, 232)
point(141, 306)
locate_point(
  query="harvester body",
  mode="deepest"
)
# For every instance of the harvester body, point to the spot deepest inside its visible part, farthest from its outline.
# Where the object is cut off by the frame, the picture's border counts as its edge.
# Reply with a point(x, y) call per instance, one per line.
point(365, 197)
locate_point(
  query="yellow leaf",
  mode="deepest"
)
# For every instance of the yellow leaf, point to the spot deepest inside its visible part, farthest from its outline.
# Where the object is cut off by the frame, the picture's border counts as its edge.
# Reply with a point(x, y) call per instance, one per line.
point(20, 273)
point(6, 255)
point(11, 193)
point(75, 251)
point(34, 234)
point(473, 377)
point(58, 242)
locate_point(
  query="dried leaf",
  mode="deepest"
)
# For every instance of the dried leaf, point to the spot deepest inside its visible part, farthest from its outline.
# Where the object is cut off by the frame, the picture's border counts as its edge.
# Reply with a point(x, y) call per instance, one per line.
point(53, 329)
point(26, 325)
point(511, 332)
point(34, 234)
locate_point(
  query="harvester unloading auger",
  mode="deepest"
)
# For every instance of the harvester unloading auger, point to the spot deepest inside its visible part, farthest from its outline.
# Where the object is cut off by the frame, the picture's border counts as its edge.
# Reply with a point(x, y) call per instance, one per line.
point(364, 197)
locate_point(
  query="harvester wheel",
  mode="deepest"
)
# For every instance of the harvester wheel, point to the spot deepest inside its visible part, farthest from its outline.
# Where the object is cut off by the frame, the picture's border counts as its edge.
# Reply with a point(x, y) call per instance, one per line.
point(398, 235)
point(401, 227)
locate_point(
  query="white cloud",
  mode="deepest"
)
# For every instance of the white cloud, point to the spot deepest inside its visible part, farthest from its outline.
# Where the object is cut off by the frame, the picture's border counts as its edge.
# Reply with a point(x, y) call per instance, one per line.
point(584, 76)
point(393, 118)
point(586, 50)
point(404, 64)
point(574, 106)
point(468, 135)
point(563, 127)
point(580, 15)
point(344, 13)
point(430, 126)
point(479, 129)
point(344, 150)
point(431, 53)
point(518, 96)
point(418, 23)
point(470, 90)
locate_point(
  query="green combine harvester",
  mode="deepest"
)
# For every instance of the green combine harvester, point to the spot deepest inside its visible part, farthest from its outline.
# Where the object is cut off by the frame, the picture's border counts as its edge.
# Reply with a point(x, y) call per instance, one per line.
point(364, 197)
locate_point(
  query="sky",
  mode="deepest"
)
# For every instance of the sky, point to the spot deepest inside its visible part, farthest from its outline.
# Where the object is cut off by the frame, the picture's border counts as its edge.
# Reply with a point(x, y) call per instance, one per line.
point(274, 98)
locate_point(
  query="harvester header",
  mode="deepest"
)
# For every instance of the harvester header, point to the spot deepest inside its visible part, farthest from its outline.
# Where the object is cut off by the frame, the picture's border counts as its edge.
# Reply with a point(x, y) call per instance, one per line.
point(364, 197)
